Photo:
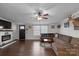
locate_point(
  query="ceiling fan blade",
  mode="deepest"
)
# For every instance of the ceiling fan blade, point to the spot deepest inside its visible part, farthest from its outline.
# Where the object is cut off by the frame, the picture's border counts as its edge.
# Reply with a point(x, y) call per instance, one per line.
point(45, 15)
point(45, 18)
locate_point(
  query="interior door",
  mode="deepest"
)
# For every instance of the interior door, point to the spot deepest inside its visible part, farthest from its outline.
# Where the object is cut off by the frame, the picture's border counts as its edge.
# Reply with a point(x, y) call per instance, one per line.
point(22, 32)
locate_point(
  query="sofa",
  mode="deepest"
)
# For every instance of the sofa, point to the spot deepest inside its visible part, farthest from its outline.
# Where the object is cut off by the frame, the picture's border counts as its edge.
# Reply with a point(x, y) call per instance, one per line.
point(66, 45)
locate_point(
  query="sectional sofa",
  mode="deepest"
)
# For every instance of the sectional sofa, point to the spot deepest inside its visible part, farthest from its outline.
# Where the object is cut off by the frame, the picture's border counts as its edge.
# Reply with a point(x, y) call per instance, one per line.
point(66, 45)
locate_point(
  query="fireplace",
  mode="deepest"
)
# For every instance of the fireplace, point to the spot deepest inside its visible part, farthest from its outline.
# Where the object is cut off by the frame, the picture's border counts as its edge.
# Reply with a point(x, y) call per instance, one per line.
point(6, 37)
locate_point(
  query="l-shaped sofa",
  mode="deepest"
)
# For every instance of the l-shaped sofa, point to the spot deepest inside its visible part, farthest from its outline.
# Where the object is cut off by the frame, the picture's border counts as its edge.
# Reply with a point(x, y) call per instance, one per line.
point(66, 45)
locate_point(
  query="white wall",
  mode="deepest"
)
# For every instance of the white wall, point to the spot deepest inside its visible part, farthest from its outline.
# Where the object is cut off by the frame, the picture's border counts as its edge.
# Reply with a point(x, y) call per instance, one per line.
point(53, 30)
point(14, 30)
point(69, 31)
point(16, 33)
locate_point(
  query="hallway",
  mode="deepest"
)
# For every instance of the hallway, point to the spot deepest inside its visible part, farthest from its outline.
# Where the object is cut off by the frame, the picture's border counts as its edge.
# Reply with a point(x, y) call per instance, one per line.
point(26, 48)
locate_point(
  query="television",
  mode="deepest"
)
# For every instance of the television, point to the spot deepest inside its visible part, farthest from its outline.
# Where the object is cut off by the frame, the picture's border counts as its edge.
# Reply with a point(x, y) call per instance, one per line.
point(5, 24)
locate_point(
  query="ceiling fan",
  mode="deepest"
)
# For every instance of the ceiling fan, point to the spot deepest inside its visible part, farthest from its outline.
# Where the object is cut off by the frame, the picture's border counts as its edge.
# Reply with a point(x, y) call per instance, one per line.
point(41, 15)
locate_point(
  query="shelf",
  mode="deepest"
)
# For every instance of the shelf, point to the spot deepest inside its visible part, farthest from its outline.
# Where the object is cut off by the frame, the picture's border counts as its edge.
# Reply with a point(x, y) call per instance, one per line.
point(6, 30)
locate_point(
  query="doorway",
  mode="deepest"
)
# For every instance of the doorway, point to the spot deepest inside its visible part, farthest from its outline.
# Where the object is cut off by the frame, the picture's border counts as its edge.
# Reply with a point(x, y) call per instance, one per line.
point(21, 32)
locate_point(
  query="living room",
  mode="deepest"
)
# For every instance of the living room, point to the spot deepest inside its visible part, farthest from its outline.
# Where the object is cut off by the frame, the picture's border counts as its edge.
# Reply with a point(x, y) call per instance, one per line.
point(39, 29)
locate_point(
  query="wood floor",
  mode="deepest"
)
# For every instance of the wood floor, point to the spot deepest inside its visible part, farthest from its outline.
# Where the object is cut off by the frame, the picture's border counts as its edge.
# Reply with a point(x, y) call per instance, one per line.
point(26, 48)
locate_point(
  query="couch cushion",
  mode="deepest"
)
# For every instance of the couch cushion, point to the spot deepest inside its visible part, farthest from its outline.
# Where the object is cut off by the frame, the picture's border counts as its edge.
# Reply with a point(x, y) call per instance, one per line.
point(75, 41)
point(59, 43)
point(66, 45)
point(67, 39)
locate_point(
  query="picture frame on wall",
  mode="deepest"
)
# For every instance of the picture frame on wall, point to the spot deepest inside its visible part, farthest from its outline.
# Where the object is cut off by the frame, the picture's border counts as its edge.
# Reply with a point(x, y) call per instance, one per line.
point(58, 26)
point(66, 25)
point(76, 27)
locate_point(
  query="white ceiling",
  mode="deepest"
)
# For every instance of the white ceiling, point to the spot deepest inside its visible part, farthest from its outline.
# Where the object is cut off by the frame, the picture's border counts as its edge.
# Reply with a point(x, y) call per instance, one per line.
point(24, 12)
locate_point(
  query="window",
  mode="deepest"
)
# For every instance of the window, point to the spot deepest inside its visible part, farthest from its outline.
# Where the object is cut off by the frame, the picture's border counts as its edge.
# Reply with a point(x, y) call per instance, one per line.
point(37, 30)
point(21, 27)
point(43, 29)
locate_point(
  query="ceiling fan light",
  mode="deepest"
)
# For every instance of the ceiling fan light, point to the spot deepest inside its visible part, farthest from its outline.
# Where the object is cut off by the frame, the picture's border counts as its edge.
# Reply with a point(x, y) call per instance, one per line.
point(39, 18)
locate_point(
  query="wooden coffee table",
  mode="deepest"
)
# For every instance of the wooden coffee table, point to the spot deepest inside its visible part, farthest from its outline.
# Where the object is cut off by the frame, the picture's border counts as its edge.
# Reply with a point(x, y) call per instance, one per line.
point(48, 40)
